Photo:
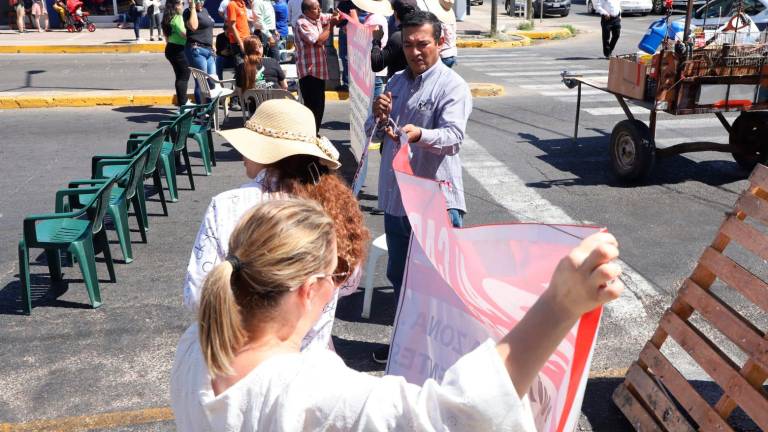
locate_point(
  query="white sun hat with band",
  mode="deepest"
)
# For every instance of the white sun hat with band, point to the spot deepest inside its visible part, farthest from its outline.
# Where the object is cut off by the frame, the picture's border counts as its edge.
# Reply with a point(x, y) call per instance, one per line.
point(443, 9)
point(278, 129)
point(381, 7)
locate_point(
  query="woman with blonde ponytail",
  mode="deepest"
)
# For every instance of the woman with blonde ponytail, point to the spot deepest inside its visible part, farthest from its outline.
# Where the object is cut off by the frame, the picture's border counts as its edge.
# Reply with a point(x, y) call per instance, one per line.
point(283, 158)
point(241, 368)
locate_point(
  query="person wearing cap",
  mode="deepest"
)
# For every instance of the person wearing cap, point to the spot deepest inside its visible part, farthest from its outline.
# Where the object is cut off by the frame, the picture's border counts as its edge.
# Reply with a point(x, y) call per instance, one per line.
point(430, 103)
point(283, 157)
point(311, 31)
point(391, 56)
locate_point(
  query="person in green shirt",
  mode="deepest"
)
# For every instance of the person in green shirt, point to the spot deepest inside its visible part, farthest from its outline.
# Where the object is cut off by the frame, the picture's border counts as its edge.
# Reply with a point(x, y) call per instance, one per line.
point(176, 35)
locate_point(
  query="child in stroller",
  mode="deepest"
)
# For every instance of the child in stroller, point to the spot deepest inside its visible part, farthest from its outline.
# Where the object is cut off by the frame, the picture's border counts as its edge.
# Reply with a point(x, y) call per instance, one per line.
point(77, 18)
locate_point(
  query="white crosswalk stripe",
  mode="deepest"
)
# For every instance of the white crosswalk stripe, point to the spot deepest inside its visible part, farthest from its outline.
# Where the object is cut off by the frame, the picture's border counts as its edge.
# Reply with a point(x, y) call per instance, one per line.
point(542, 72)
point(605, 111)
point(601, 97)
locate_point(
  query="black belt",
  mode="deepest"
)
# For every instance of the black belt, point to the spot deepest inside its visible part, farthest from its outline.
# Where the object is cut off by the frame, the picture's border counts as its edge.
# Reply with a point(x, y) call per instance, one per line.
point(200, 45)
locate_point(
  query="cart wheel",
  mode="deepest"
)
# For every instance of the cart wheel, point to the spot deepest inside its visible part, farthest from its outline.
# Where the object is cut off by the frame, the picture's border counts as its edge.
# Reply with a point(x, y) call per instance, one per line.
point(91, 27)
point(632, 150)
point(749, 140)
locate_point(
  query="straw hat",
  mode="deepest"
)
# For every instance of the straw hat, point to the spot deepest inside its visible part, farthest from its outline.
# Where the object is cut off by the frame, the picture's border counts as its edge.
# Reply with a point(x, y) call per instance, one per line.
point(280, 128)
point(381, 7)
point(443, 9)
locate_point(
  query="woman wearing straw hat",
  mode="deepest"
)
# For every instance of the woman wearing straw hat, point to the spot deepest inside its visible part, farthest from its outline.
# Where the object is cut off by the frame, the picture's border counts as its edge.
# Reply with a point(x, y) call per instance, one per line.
point(240, 368)
point(283, 157)
point(443, 10)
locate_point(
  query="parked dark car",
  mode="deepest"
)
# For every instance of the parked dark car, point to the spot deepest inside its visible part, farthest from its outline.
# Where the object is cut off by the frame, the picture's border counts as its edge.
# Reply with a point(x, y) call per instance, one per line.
point(551, 7)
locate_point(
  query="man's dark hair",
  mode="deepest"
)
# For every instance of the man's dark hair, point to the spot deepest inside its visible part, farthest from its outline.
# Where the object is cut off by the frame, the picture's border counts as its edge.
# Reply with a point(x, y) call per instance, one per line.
point(403, 8)
point(419, 18)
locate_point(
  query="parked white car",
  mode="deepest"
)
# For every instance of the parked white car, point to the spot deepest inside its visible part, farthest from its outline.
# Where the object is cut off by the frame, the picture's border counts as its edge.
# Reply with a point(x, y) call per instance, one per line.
point(628, 7)
point(716, 13)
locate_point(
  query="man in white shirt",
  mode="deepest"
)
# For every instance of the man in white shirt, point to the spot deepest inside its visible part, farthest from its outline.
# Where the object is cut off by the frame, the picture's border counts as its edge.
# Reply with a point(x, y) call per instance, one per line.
point(610, 21)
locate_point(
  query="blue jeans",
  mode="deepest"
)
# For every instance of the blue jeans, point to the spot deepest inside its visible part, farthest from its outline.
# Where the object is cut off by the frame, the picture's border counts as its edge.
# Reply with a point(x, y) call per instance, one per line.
point(343, 57)
point(449, 61)
point(201, 58)
point(378, 87)
point(398, 232)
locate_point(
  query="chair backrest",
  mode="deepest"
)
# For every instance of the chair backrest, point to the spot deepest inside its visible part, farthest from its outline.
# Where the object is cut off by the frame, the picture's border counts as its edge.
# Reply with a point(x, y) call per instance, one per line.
point(251, 99)
point(135, 172)
point(201, 78)
point(97, 208)
point(155, 144)
point(180, 130)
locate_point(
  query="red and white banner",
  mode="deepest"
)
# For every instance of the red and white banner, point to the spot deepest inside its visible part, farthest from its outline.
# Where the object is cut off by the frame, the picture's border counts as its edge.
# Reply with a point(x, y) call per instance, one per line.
point(462, 286)
point(361, 80)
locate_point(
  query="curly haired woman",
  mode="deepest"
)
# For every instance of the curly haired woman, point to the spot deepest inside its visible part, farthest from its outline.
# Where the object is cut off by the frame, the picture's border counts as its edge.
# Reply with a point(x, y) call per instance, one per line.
point(284, 158)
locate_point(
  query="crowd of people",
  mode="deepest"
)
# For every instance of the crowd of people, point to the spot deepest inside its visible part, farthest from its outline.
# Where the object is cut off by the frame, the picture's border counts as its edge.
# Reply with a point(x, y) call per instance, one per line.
point(273, 256)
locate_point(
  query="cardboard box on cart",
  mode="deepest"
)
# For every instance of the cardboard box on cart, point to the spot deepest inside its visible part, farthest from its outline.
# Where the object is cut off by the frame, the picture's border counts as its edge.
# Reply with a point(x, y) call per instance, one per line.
point(627, 76)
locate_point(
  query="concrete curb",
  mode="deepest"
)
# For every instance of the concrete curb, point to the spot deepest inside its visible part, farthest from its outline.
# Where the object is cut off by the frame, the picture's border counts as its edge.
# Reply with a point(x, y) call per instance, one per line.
point(561, 33)
point(19, 100)
point(131, 48)
point(493, 43)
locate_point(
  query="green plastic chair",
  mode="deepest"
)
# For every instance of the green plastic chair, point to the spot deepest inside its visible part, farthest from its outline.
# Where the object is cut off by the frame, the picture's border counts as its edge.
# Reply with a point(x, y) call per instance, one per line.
point(174, 146)
point(202, 131)
point(136, 141)
point(123, 193)
point(79, 232)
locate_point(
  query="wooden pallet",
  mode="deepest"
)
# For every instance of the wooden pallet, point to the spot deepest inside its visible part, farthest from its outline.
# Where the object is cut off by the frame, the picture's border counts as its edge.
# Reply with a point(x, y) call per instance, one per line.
point(655, 395)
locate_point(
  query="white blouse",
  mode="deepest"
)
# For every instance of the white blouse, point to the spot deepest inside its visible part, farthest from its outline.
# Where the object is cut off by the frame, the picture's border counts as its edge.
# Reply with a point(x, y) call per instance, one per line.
point(315, 390)
point(212, 244)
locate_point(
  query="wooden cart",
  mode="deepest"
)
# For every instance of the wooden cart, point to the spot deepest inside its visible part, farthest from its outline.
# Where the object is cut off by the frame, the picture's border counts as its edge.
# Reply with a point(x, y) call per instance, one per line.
point(683, 84)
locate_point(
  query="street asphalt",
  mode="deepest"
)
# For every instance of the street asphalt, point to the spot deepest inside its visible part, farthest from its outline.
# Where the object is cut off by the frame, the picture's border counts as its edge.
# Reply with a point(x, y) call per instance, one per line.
point(69, 360)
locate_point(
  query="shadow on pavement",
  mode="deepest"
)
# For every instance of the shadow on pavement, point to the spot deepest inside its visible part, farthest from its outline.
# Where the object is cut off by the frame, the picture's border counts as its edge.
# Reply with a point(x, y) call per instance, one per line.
point(589, 162)
point(146, 114)
point(357, 354)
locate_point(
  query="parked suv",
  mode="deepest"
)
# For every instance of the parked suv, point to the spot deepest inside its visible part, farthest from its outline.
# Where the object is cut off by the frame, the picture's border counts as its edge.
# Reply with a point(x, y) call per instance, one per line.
point(551, 7)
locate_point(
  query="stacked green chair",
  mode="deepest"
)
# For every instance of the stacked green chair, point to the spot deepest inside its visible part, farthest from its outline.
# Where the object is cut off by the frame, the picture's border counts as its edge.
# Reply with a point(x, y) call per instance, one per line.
point(79, 232)
point(136, 142)
point(201, 131)
point(175, 143)
point(123, 193)
point(173, 147)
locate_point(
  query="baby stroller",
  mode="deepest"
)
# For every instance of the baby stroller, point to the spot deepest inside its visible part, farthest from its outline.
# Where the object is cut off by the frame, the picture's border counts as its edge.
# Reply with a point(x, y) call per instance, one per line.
point(77, 18)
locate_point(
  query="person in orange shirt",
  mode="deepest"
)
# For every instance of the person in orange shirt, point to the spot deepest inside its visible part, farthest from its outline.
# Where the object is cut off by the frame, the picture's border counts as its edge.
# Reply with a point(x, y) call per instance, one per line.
point(237, 30)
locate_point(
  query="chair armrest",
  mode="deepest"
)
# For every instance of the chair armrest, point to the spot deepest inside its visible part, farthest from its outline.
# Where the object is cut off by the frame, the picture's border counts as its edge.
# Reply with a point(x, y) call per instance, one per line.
point(99, 171)
point(95, 181)
point(132, 144)
point(69, 193)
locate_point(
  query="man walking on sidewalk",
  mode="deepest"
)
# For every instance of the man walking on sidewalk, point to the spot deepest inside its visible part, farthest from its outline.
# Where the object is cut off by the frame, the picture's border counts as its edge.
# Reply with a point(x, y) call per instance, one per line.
point(610, 21)
point(312, 30)
point(431, 104)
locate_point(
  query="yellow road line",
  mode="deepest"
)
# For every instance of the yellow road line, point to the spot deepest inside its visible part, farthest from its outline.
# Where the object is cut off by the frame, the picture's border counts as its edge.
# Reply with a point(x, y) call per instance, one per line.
point(96, 421)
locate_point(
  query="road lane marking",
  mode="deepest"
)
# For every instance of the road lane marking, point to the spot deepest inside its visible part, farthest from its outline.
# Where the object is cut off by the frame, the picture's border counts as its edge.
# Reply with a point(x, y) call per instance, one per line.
point(609, 111)
point(96, 421)
point(544, 72)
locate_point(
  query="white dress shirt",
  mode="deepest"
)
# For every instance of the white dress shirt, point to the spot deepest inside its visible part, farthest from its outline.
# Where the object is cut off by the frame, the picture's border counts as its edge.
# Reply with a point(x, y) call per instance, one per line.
point(212, 244)
point(608, 7)
point(316, 391)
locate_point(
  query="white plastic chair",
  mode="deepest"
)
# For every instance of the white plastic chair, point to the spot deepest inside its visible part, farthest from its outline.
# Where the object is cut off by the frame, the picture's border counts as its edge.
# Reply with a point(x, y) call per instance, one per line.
point(378, 249)
point(202, 79)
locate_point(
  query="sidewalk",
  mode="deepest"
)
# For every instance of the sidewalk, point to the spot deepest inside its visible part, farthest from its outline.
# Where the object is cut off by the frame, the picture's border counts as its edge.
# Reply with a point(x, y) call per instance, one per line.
point(109, 39)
